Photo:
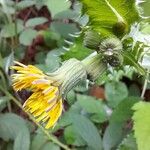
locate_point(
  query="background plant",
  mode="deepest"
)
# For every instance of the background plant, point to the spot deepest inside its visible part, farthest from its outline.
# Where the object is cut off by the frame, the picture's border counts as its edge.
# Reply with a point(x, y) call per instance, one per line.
point(110, 114)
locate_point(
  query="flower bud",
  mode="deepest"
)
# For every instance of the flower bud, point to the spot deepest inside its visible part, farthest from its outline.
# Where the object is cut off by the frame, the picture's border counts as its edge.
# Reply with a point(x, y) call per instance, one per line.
point(114, 60)
point(120, 28)
point(110, 45)
point(92, 39)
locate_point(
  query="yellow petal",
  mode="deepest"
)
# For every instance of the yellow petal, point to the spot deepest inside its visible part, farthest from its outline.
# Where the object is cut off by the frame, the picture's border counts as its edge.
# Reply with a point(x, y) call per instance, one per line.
point(54, 114)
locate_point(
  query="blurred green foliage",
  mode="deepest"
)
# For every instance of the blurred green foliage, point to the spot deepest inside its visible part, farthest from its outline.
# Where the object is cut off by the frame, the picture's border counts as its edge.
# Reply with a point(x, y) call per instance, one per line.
point(46, 33)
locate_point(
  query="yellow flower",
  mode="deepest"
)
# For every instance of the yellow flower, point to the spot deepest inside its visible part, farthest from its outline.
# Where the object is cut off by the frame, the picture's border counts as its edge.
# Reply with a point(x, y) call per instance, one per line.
point(48, 90)
point(45, 103)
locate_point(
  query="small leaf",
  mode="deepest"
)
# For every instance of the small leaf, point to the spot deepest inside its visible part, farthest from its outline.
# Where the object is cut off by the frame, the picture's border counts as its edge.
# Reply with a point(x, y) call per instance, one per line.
point(142, 124)
point(72, 137)
point(93, 106)
point(3, 102)
point(24, 4)
point(9, 29)
point(27, 36)
point(52, 60)
point(115, 92)
point(57, 6)
point(71, 97)
point(9, 62)
point(15, 128)
point(40, 142)
point(86, 129)
point(67, 14)
point(64, 29)
point(35, 21)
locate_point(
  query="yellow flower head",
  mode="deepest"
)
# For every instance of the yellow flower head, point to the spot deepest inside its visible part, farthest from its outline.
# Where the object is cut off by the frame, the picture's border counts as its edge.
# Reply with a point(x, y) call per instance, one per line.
point(48, 90)
point(45, 103)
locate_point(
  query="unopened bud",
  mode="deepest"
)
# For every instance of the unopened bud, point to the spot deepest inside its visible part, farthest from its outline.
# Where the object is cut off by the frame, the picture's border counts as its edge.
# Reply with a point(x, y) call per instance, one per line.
point(92, 39)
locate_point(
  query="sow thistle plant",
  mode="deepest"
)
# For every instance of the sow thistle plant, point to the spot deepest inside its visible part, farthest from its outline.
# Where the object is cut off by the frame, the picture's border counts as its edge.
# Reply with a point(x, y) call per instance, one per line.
point(49, 90)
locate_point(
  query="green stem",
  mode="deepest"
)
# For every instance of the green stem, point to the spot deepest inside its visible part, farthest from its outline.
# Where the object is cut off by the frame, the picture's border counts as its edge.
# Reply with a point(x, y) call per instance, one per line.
point(16, 28)
point(145, 85)
point(50, 137)
point(94, 65)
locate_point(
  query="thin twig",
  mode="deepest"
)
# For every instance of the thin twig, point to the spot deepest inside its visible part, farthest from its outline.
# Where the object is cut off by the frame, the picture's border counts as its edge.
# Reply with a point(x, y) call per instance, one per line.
point(50, 137)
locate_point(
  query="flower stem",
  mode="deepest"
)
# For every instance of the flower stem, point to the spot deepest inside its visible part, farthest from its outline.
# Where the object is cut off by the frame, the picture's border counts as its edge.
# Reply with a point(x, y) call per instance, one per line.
point(50, 137)
point(145, 85)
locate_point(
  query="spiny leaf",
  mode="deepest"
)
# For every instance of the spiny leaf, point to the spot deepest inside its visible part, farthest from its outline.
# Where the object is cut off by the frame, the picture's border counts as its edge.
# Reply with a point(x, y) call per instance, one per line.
point(77, 50)
point(117, 128)
point(128, 143)
point(129, 59)
point(108, 13)
point(141, 119)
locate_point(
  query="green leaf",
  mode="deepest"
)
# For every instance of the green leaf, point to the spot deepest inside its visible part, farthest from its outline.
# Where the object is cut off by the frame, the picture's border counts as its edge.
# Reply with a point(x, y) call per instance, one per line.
point(40, 142)
point(51, 38)
point(71, 97)
point(72, 137)
point(27, 36)
point(64, 29)
point(115, 92)
point(86, 129)
point(146, 28)
point(108, 13)
point(57, 6)
point(129, 59)
point(22, 141)
point(8, 62)
point(112, 136)
point(144, 8)
point(3, 102)
point(93, 106)
point(77, 50)
point(128, 143)
point(24, 4)
point(35, 21)
point(9, 29)
point(118, 126)
point(134, 90)
point(52, 60)
point(67, 14)
point(141, 127)
point(50, 146)
point(14, 127)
